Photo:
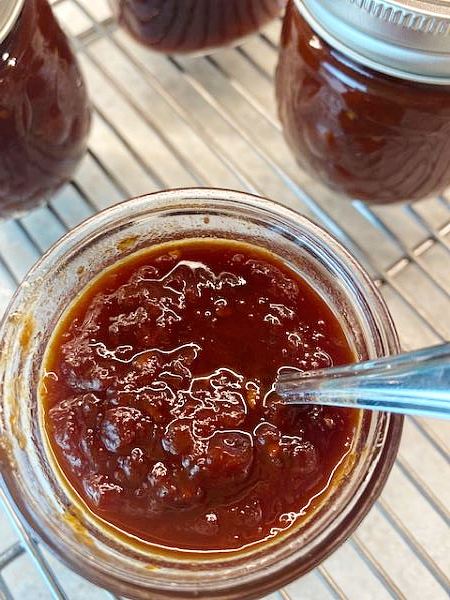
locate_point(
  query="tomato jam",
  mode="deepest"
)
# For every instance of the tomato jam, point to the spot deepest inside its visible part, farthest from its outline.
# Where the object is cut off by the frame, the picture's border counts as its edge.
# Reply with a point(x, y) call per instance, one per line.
point(159, 404)
point(367, 135)
point(193, 25)
point(44, 110)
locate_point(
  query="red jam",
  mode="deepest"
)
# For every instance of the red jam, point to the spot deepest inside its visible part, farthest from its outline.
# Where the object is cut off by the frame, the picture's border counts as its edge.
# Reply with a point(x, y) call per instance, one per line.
point(44, 110)
point(159, 404)
point(367, 135)
point(193, 25)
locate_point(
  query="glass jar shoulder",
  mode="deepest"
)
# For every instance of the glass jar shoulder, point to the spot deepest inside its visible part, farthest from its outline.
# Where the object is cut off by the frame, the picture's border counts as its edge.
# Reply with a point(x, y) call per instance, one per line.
point(313, 58)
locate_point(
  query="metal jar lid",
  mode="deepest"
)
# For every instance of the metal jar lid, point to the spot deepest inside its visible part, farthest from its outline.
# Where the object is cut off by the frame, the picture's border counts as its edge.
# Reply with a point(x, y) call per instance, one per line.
point(9, 13)
point(403, 38)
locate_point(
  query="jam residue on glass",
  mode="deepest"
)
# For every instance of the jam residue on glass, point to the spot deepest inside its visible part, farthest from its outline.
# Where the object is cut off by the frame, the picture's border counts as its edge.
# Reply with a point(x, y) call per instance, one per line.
point(158, 402)
point(367, 135)
point(193, 25)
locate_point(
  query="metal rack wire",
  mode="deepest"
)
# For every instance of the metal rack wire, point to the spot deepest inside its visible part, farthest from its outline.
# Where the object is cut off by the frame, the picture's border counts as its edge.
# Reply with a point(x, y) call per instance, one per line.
point(165, 122)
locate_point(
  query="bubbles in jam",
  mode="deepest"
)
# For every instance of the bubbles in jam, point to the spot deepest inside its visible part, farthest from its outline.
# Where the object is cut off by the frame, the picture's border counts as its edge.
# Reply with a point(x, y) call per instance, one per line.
point(159, 404)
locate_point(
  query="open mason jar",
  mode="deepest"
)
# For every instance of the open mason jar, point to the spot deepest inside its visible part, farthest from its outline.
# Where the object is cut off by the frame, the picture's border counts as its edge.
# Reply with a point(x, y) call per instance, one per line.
point(193, 26)
point(36, 490)
point(44, 108)
point(363, 93)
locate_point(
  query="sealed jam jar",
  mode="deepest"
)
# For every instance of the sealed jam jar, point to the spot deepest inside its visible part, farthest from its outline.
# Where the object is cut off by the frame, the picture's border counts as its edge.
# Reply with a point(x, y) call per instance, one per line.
point(363, 92)
point(193, 25)
point(44, 109)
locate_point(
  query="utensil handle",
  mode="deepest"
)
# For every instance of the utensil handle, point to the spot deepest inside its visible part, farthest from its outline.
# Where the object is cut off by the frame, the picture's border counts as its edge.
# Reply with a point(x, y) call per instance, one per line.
point(416, 383)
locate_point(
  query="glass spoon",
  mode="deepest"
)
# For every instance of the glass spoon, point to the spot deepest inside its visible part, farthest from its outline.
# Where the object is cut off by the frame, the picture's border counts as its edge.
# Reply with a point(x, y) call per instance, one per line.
point(414, 383)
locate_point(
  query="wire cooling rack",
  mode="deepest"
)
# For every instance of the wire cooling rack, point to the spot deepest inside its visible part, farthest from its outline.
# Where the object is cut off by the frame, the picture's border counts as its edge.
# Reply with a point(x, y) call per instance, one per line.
point(164, 122)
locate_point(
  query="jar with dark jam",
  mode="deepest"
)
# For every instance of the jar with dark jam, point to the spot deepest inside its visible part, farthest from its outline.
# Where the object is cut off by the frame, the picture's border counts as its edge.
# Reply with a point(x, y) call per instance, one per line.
point(159, 399)
point(184, 26)
point(44, 108)
point(140, 433)
point(364, 95)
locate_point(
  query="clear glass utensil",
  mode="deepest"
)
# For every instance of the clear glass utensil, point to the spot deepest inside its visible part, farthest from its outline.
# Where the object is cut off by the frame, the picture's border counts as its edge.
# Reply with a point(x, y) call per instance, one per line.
point(415, 383)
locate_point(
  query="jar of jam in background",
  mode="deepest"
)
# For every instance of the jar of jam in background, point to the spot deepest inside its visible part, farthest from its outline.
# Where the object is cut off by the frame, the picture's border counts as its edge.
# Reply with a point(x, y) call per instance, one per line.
point(44, 108)
point(182, 26)
point(363, 91)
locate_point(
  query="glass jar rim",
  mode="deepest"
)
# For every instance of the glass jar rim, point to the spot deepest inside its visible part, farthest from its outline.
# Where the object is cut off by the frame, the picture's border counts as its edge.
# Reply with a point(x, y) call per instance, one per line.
point(9, 13)
point(212, 202)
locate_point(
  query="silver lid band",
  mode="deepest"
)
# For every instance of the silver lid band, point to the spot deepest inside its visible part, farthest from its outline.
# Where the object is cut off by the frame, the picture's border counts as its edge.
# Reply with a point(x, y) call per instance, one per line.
point(405, 44)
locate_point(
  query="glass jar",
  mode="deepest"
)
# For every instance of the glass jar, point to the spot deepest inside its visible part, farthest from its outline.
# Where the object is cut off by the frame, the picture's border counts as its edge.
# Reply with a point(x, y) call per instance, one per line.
point(363, 93)
point(34, 488)
point(44, 109)
point(182, 26)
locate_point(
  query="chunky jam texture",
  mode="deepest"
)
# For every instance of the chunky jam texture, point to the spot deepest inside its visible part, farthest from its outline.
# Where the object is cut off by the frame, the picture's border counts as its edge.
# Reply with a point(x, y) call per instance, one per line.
point(159, 403)
point(367, 135)
point(193, 25)
point(44, 110)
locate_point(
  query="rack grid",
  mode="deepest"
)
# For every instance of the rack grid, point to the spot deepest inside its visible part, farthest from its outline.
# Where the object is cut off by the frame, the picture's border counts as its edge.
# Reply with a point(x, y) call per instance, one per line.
point(164, 122)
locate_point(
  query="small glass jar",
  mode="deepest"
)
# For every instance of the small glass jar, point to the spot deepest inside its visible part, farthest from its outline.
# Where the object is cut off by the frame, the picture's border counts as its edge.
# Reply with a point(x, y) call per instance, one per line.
point(197, 26)
point(27, 473)
point(44, 109)
point(363, 92)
